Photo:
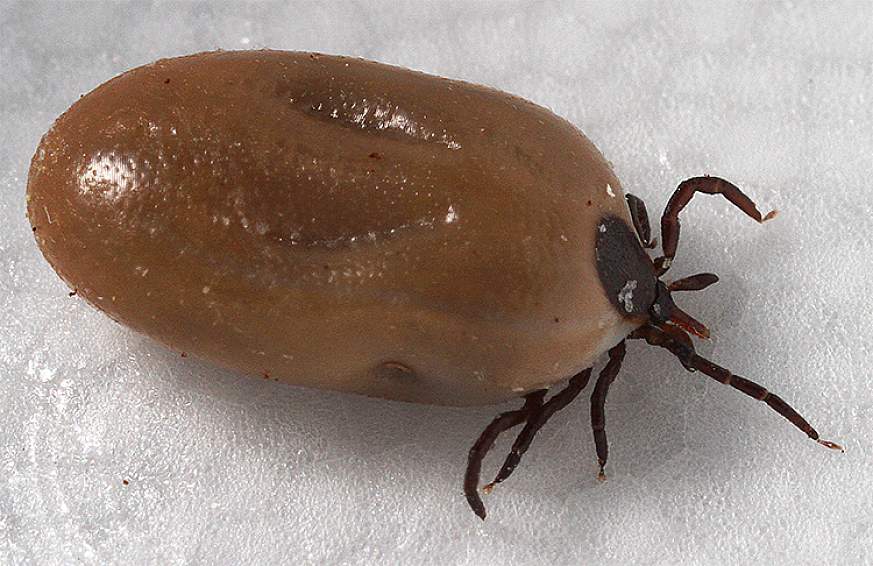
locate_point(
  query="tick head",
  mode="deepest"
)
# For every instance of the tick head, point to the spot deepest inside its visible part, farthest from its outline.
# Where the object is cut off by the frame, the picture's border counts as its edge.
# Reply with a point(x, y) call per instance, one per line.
point(630, 280)
point(665, 312)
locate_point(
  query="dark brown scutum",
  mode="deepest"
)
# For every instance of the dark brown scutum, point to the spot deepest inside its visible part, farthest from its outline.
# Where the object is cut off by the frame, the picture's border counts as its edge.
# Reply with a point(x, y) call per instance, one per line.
point(621, 261)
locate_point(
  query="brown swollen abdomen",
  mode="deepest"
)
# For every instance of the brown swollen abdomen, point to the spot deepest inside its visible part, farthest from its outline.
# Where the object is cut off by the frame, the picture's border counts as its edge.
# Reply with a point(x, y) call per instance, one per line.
point(333, 223)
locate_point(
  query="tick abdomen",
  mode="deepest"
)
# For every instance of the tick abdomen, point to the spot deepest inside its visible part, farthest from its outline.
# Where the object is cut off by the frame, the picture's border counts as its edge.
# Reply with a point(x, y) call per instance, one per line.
point(311, 218)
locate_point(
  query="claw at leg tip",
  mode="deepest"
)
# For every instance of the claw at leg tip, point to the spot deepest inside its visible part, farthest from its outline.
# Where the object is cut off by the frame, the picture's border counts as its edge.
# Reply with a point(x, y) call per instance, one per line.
point(477, 507)
point(831, 445)
point(770, 215)
point(487, 489)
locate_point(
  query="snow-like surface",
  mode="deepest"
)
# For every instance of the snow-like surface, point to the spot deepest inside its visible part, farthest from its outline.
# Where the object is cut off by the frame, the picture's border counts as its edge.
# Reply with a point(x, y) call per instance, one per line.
point(227, 469)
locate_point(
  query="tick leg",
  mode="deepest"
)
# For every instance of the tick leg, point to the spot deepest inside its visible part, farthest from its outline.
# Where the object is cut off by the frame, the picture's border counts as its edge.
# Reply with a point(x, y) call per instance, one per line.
point(692, 361)
point(536, 421)
point(640, 218)
point(598, 401)
point(683, 194)
point(697, 282)
point(501, 423)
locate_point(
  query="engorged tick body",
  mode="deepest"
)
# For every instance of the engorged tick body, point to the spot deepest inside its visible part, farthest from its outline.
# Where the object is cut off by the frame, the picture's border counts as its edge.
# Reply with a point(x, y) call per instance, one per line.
point(337, 223)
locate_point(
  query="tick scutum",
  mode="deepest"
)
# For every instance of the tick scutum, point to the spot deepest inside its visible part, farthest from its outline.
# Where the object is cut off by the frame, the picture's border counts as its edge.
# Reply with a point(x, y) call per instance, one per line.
point(625, 270)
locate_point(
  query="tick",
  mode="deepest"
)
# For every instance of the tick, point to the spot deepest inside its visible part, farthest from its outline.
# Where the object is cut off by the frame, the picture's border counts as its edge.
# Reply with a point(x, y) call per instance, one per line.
point(341, 224)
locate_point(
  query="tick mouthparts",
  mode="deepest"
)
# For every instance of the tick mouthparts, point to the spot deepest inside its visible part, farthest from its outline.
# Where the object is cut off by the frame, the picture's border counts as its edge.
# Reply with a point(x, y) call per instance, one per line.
point(688, 323)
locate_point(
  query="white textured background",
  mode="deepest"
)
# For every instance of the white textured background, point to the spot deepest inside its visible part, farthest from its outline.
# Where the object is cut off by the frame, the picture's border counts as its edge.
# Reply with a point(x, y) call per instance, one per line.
point(228, 469)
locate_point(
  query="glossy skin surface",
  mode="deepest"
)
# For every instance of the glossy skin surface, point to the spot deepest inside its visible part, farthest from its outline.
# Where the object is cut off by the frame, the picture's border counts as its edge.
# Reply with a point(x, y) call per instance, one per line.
point(334, 223)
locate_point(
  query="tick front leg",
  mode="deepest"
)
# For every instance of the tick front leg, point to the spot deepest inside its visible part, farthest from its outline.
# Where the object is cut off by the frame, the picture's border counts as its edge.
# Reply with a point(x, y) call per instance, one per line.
point(691, 361)
point(682, 196)
point(598, 401)
point(640, 217)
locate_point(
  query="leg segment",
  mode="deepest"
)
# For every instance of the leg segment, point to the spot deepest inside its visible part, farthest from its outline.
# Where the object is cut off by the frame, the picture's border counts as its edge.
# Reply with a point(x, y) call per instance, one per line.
point(697, 282)
point(684, 192)
point(692, 361)
point(640, 218)
point(536, 421)
point(501, 423)
point(598, 400)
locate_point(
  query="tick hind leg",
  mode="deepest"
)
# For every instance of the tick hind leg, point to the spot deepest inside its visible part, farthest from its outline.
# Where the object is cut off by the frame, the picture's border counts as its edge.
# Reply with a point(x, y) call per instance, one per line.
point(501, 423)
point(691, 361)
point(535, 414)
point(536, 421)
point(682, 196)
